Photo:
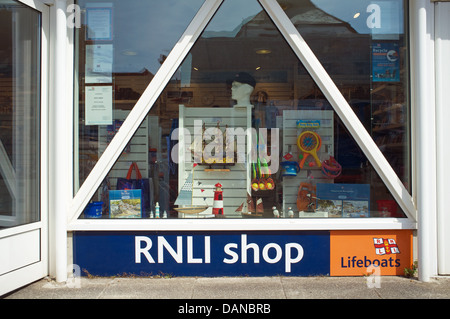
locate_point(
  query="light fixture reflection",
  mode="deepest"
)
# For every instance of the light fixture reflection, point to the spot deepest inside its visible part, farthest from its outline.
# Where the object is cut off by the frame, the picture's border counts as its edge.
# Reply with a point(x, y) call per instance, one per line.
point(263, 51)
point(129, 52)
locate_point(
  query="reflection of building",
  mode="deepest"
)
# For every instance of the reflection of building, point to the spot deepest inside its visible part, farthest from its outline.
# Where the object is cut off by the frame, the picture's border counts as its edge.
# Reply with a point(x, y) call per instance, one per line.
point(130, 86)
point(259, 44)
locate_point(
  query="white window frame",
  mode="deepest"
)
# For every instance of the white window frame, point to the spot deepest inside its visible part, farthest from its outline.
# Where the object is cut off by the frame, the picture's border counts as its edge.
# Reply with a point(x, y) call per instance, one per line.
point(157, 85)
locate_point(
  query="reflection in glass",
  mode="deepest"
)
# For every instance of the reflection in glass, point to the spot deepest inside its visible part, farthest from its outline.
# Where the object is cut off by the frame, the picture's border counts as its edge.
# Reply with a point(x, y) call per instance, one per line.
point(19, 114)
point(120, 47)
point(363, 47)
point(242, 131)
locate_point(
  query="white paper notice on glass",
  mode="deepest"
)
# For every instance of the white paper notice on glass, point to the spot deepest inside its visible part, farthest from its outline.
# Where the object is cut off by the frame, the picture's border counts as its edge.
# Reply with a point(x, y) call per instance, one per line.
point(99, 61)
point(98, 105)
point(99, 21)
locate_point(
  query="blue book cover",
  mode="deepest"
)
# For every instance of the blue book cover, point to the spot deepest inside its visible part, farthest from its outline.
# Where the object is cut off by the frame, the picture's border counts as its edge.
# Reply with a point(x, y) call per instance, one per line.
point(125, 203)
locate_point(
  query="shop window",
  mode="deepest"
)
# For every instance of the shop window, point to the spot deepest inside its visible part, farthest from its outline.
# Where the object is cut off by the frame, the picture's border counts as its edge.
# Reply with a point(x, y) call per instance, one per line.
point(243, 131)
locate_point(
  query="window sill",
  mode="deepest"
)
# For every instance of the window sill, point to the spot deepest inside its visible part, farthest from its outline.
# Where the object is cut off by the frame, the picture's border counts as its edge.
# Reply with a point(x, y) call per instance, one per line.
point(282, 224)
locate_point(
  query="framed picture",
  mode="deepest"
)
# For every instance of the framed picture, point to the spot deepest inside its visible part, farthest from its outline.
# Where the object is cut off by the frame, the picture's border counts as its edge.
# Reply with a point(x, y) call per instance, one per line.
point(344, 200)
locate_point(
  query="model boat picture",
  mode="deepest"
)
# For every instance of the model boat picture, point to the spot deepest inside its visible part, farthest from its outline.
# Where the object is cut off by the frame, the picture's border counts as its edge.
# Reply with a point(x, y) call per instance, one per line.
point(185, 197)
point(248, 208)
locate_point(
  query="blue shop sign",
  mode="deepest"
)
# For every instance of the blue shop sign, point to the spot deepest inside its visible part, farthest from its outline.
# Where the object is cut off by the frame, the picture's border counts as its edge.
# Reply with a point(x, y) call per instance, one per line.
point(203, 253)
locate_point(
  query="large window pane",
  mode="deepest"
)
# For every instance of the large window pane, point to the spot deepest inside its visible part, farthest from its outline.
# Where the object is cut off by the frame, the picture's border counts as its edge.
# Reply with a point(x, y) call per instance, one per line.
point(242, 130)
point(120, 46)
point(363, 47)
point(19, 114)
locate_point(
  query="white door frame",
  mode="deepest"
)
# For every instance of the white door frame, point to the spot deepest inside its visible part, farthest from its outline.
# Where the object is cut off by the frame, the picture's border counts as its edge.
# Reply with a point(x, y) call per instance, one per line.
point(27, 269)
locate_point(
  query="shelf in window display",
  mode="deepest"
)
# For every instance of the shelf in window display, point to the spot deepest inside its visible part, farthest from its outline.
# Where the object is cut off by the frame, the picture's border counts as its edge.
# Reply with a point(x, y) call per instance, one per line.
point(213, 164)
point(395, 107)
point(387, 126)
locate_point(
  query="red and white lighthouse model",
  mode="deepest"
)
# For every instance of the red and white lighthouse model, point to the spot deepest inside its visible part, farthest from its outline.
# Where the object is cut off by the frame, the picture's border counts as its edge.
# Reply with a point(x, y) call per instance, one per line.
point(218, 200)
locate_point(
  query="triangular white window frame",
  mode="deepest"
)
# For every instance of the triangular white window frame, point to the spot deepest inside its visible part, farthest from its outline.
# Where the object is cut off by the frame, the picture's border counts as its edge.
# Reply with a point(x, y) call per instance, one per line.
point(304, 54)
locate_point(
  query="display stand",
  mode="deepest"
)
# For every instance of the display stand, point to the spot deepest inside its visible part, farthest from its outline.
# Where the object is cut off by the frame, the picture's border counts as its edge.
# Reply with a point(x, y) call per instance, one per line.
point(235, 178)
point(135, 151)
point(320, 122)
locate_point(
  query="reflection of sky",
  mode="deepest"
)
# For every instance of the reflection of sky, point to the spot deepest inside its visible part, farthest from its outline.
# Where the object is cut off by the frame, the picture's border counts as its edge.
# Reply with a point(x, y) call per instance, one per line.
point(345, 10)
point(234, 13)
point(231, 15)
point(146, 29)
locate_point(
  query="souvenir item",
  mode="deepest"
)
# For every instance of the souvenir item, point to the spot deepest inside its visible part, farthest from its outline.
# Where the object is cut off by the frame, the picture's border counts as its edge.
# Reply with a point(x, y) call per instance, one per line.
point(218, 200)
point(331, 168)
point(184, 199)
point(143, 184)
point(290, 168)
point(290, 212)
point(275, 212)
point(309, 143)
point(248, 208)
point(306, 197)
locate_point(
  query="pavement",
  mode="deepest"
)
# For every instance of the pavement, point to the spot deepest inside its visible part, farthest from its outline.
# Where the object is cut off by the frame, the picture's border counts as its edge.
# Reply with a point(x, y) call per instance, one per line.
point(225, 297)
point(234, 288)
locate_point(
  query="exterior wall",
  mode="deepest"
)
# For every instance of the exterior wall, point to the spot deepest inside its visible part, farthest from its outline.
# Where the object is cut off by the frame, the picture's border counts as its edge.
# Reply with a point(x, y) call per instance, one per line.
point(428, 213)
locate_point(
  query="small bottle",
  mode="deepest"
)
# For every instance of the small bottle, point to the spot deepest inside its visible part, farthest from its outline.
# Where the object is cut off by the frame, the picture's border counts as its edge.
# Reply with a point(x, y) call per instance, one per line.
point(157, 210)
point(165, 214)
point(290, 212)
point(151, 214)
point(276, 214)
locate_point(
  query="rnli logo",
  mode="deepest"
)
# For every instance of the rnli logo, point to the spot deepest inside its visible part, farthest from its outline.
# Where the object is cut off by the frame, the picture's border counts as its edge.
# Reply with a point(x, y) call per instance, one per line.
point(385, 246)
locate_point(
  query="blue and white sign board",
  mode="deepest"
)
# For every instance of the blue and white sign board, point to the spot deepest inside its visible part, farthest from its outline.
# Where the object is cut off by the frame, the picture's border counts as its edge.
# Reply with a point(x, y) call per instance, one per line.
point(385, 62)
point(203, 253)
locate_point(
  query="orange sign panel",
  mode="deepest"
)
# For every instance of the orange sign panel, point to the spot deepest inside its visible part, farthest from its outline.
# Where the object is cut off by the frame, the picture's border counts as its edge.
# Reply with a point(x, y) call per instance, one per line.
point(356, 253)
